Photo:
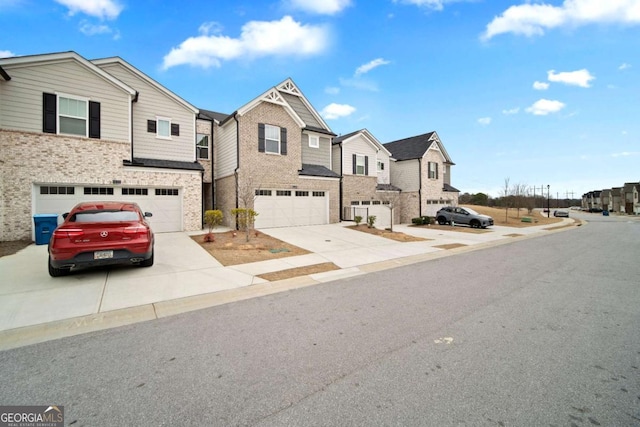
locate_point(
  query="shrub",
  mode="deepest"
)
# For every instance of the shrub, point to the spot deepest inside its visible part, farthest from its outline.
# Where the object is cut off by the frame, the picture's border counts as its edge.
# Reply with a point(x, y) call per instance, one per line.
point(213, 218)
point(371, 219)
point(421, 220)
point(357, 219)
point(245, 219)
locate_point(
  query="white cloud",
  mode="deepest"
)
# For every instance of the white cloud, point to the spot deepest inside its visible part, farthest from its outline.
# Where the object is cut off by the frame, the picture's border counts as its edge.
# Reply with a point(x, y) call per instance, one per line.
point(6, 54)
point(540, 85)
point(360, 83)
point(575, 78)
point(543, 107)
point(430, 4)
point(285, 37)
point(532, 19)
point(511, 111)
point(89, 29)
point(624, 66)
point(335, 111)
point(365, 68)
point(332, 90)
point(485, 121)
point(626, 154)
point(322, 7)
point(102, 9)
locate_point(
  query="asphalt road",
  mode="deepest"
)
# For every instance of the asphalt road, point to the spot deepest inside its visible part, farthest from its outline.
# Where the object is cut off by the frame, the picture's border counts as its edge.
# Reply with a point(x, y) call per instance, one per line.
point(540, 332)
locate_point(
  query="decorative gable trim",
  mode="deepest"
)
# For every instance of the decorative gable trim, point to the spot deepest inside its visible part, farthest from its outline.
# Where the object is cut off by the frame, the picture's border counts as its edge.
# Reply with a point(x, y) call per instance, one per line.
point(289, 87)
point(274, 97)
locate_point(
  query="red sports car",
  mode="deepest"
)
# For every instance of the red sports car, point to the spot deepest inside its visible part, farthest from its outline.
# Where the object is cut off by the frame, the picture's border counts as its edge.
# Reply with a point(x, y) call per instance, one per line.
point(101, 233)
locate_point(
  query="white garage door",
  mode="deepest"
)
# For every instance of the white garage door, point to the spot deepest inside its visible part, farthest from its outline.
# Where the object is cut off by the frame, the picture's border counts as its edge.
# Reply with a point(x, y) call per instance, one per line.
point(284, 208)
point(164, 203)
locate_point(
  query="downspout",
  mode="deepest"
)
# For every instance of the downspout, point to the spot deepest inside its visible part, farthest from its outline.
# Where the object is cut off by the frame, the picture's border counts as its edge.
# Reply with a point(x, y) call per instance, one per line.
point(135, 99)
point(213, 182)
point(420, 188)
point(341, 192)
point(235, 172)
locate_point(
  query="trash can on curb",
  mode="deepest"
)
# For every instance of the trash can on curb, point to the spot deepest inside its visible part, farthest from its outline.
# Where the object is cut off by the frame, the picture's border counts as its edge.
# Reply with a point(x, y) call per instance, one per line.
point(45, 224)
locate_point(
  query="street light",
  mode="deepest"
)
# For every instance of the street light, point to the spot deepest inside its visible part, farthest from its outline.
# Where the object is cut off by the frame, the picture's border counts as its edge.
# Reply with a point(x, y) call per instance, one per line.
point(548, 202)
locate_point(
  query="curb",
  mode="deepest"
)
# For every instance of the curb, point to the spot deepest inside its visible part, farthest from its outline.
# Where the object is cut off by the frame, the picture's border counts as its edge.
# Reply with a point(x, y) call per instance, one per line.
point(28, 335)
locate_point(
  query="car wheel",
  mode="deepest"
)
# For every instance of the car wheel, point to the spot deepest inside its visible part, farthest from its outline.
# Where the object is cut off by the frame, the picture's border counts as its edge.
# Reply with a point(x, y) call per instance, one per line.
point(442, 220)
point(475, 223)
point(147, 262)
point(57, 272)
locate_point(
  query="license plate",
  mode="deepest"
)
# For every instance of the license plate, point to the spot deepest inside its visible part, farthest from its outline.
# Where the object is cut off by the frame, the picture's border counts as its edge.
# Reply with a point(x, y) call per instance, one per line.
point(102, 254)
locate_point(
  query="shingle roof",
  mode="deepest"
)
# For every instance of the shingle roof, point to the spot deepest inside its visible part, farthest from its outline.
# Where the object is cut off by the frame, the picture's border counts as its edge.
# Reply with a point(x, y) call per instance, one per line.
point(317, 170)
point(410, 148)
point(213, 115)
point(387, 187)
point(164, 164)
point(450, 189)
point(341, 138)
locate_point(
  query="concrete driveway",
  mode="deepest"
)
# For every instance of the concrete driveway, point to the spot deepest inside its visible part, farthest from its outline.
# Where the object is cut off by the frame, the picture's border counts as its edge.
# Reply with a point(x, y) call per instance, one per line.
point(35, 306)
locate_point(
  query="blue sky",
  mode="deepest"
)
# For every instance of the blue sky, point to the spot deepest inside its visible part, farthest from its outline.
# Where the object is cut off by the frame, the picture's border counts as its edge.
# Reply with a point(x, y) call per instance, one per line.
point(542, 93)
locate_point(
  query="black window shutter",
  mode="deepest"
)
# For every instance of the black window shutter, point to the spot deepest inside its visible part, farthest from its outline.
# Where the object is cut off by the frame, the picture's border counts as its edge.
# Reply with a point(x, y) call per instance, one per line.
point(366, 165)
point(94, 119)
point(175, 129)
point(283, 141)
point(355, 167)
point(436, 171)
point(151, 126)
point(261, 137)
point(49, 112)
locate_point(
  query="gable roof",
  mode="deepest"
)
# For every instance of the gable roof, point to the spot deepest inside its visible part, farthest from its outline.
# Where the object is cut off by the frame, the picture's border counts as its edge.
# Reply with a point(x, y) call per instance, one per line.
point(368, 136)
point(67, 56)
point(288, 96)
point(143, 76)
point(212, 115)
point(415, 147)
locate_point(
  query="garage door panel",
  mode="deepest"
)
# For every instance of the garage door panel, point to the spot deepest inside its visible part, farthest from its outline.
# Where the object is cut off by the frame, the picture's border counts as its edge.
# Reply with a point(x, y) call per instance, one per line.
point(291, 210)
point(164, 204)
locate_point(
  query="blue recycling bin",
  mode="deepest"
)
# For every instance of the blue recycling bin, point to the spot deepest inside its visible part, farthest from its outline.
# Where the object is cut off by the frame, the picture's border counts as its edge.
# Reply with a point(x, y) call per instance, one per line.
point(45, 224)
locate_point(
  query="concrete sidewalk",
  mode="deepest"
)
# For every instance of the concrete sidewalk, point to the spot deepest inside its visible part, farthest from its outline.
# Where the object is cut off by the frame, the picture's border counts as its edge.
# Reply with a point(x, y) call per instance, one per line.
point(35, 307)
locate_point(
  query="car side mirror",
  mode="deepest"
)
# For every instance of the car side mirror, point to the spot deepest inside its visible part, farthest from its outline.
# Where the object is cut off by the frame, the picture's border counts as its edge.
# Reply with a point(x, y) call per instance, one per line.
point(148, 214)
point(65, 215)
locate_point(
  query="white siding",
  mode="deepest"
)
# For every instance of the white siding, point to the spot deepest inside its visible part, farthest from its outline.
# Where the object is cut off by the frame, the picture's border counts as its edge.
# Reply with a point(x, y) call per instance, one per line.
point(406, 175)
point(153, 103)
point(359, 145)
point(21, 97)
point(383, 176)
point(226, 150)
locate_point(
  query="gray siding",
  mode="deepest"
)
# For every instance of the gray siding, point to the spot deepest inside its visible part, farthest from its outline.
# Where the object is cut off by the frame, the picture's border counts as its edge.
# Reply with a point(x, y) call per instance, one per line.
point(358, 145)
point(336, 161)
point(301, 110)
point(153, 103)
point(406, 175)
point(316, 156)
point(226, 150)
point(21, 97)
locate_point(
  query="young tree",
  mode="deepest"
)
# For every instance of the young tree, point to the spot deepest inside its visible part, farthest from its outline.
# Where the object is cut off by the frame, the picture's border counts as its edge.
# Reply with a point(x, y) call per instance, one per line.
point(246, 188)
point(506, 194)
point(390, 197)
point(519, 192)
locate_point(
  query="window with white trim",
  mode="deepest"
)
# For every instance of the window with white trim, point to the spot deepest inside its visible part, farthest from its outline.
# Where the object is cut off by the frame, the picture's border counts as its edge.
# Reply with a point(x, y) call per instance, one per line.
point(360, 165)
point(380, 166)
point(202, 146)
point(433, 170)
point(163, 129)
point(72, 115)
point(314, 141)
point(272, 139)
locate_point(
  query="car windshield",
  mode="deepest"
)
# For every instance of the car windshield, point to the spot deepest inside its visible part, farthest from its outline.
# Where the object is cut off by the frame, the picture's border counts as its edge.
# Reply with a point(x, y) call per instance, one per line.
point(471, 211)
point(104, 216)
